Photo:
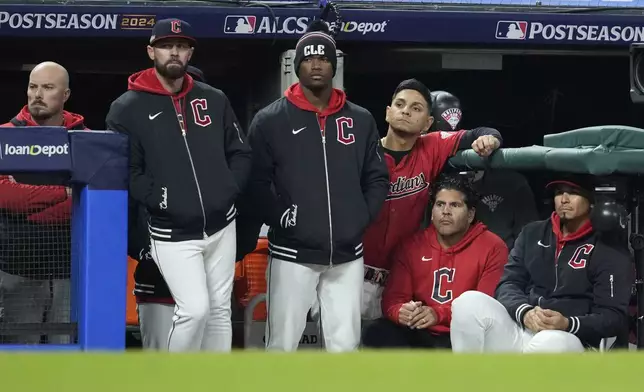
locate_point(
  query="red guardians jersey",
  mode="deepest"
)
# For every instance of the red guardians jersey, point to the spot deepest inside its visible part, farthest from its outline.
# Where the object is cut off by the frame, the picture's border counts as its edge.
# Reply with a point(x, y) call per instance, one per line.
point(424, 271)
point(410, 180)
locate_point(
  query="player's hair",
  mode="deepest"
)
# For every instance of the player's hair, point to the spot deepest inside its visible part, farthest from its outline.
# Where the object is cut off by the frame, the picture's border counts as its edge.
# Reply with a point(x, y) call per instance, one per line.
point(459, 183)
point(417, 85)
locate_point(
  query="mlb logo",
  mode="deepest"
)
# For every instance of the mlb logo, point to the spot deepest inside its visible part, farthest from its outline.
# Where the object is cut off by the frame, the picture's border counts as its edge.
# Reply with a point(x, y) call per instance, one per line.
point(511, 29)
point(240, 24)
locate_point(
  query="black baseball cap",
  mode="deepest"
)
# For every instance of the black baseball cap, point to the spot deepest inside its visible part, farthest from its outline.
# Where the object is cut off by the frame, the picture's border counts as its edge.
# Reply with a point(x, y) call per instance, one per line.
point(582, 184)
point(172, 28)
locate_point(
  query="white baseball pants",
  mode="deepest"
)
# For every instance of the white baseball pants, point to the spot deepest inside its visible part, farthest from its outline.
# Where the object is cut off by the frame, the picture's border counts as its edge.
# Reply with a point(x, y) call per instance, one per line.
point(292, 288)
point(481, 324)
point(199, 274)
point(28, 301)
point(155, 321)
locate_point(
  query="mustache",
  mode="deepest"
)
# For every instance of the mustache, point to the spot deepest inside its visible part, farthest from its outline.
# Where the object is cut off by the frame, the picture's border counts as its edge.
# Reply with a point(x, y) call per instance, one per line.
point(38, 102)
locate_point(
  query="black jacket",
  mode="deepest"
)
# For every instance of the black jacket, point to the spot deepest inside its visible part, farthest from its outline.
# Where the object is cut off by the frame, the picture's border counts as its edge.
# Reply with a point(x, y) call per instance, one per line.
point(328, 165)
point(589, 281)
point(189, 159)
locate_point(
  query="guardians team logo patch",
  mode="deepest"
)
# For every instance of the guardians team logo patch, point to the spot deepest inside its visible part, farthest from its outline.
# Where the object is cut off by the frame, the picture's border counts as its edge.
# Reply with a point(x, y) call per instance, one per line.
point(452, 116)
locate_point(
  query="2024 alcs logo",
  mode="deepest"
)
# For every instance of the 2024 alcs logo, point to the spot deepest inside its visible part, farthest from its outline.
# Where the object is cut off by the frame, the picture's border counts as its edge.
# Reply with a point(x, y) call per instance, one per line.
point(33, 150)
point(251, 24)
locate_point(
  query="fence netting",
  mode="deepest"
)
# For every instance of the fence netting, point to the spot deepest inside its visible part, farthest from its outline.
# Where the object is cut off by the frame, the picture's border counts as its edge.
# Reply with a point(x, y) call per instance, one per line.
point(35, 262)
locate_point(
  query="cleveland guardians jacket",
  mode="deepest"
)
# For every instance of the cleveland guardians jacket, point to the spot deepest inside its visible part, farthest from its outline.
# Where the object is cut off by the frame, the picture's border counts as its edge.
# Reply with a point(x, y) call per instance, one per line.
point(579, 276)
point(325, 169)
point(189, 158)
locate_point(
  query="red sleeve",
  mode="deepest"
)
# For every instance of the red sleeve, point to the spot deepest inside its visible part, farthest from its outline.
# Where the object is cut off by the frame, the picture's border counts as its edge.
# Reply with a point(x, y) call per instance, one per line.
point(489, 279)
point(59, 213)
point(399, 288)
point(441, 146)
point(25, 198)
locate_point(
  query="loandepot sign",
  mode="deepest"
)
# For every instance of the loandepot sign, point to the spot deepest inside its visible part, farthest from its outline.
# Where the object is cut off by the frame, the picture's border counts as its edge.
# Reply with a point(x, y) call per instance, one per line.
point(35, 149)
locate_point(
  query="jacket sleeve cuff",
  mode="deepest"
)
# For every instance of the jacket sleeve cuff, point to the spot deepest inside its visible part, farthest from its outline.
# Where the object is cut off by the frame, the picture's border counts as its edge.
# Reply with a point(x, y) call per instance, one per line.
point(573, 325)
point(393, 312)
point(443, 315)
point(520, 312)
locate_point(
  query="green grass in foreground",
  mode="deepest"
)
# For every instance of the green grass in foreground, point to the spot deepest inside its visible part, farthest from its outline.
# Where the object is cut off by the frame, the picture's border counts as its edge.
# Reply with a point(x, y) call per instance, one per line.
point(318, 371)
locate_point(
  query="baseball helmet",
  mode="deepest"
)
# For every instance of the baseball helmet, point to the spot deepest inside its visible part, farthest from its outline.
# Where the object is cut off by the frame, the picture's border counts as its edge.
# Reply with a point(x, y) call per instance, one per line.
point(446, 110)
point(608, 215)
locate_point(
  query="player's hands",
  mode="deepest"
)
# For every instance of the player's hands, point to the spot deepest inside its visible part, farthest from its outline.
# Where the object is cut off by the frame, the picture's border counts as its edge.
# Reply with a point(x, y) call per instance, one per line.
point(424, 317)
point(533, 320)
point(485, 145)
point(407, 312)
point(69, 192)
point(554, 320)
point(289, 217)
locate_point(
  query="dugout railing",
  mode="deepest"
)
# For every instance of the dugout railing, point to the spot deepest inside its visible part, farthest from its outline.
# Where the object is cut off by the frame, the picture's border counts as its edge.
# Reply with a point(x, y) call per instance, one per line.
point(94, 164)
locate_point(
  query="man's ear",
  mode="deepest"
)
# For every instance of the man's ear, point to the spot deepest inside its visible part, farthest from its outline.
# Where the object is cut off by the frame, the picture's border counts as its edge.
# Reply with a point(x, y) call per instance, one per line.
point(151, 52)
point(471, 213)
point(430, 121)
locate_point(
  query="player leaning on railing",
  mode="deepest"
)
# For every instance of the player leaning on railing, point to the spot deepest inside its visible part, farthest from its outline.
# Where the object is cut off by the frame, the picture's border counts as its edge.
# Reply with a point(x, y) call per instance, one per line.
point(35, 238)
point(189, 161)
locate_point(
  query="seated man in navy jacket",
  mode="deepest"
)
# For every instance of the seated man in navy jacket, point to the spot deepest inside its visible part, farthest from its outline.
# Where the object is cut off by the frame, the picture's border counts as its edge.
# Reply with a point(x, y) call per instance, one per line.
point(563, 288)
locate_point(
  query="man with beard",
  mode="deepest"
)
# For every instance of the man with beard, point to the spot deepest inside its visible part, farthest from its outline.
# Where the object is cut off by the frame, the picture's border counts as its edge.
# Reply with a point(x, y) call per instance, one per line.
point(413, 161)
point(35, 281)
point(189, 161)
point(318, 179)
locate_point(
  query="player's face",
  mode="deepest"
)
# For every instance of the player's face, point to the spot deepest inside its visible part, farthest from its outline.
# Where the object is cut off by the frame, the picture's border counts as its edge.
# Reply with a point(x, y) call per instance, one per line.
point(570, 205)
point(409, 113)
point(316, 73)
point(450, 214)
point(171, 57)
point(46, 94)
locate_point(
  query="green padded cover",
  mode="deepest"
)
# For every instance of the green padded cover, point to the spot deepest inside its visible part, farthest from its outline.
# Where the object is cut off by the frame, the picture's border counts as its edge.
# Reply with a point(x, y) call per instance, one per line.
point(612, 137)
point(586, 160)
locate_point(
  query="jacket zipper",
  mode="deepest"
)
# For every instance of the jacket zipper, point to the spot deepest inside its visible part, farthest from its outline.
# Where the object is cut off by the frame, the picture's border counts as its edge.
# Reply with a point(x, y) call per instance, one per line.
point(328, 189)
point(192, 165)
point(558, 253)
point(611, 286)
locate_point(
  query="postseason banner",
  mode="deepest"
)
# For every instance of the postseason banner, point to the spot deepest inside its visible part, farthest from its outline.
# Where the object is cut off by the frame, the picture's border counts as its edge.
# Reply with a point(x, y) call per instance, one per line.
point(34, 149)
point(431, 27)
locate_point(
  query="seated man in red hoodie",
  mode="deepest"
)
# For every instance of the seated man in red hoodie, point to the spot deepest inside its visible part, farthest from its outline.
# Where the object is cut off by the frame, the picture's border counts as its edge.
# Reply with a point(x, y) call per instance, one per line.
point(35, 240)
point(433, 267)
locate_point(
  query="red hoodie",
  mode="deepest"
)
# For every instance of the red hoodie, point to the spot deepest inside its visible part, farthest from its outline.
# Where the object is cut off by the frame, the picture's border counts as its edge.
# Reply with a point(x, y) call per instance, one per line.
point(582, 231)
point(148, 82)
point(424, 271)
point(45, 203)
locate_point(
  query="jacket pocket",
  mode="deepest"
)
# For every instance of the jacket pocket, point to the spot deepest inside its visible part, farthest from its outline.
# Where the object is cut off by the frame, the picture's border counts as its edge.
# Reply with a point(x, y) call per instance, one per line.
point(311, 230)
point(158, 200)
